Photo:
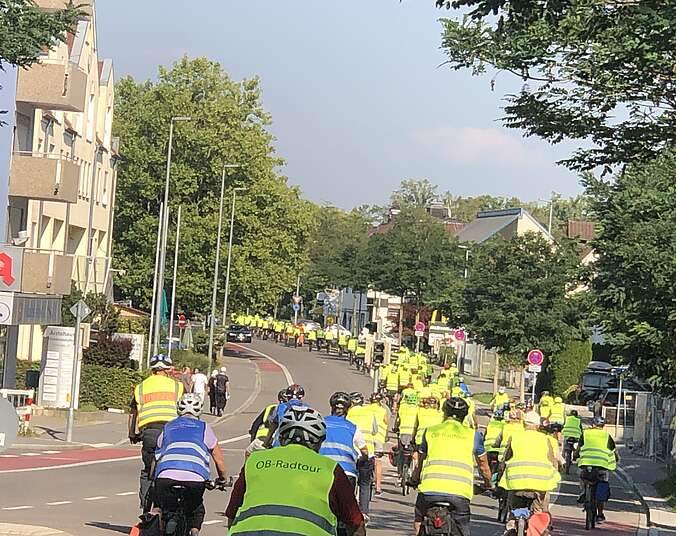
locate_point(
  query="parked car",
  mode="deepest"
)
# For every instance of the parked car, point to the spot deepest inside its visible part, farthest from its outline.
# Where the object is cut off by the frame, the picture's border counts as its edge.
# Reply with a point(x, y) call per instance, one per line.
point(338, 330)
point(239, 333)
point(599, 378)
point(309, 325)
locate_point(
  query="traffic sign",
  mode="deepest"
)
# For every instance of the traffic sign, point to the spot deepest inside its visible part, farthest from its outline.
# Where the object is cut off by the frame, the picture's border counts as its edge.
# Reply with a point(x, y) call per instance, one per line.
point(419, 333)
point(420, 326)
point(80, 309)
point(536, 357)
point(534, 368)
point(296, 307)
point(296, 299)
point(459, 334)
point(181, 321)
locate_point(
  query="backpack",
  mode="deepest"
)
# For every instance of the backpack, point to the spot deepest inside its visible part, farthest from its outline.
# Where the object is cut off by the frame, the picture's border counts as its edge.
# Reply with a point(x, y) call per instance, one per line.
point(221, 381)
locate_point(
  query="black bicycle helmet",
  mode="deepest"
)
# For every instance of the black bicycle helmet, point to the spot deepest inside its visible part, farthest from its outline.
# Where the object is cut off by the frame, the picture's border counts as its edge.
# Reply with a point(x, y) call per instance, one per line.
point(295, 391)
point(340, 400)
point(281, 396)
point(357, 398)
point(456, 408)
point(573, 413)
point(375, 397)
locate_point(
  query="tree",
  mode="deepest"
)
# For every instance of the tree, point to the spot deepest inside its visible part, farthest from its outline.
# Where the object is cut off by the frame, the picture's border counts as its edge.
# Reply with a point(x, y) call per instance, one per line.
point(228, 126)
point(633, 279)
point(26, 29)
point(598, 72)
point(414, 194)
point(516, 296)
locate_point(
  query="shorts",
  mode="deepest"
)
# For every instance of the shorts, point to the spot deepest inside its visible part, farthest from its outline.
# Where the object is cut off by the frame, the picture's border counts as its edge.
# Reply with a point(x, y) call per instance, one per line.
point(459, 509)
point(538, 500)
point(602, 474)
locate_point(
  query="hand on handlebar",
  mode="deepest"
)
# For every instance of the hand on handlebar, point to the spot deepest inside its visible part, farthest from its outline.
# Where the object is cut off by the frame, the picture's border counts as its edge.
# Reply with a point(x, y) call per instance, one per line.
point(135, 438)
point(413, 482)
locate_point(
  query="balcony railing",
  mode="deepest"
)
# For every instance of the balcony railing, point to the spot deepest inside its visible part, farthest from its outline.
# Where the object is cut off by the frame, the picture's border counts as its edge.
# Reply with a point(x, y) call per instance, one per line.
point(47, 177)
point(53, 86)
point(46, 272)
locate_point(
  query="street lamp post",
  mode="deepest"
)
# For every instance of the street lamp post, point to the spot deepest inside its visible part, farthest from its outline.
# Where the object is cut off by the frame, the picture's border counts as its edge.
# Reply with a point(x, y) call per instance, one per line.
point(227, 270)
point(464, 341)
point(218, 257)
point(165, 228)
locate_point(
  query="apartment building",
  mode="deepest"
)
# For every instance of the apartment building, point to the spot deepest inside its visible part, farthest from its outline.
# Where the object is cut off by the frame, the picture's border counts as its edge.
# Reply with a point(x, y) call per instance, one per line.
point(62, 172)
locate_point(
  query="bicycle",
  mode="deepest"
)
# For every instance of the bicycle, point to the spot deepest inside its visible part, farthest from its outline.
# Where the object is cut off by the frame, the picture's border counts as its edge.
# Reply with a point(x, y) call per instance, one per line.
point(499, 493)
point(568, 450)
point(590, 477)
point(438, 520)
point(405, 455)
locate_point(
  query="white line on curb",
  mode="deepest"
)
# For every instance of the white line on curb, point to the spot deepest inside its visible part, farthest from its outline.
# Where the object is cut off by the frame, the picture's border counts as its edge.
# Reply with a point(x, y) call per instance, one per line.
point(17, 508)
point(287, 374)
point(59, 503)
point(212, 522)
point(123, 493)
point(234, 439)
point(97, 498)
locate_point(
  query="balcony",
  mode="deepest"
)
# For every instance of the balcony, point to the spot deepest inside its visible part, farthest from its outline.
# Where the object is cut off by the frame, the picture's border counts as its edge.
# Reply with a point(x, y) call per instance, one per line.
point(46, 272)
point(46, 177)
point(53, 86)
point(53, 5)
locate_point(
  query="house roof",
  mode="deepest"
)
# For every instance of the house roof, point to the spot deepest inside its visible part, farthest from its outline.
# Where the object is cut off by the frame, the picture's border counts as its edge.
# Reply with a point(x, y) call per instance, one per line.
point(582, 229)
point(491, 222)
point(131, 311)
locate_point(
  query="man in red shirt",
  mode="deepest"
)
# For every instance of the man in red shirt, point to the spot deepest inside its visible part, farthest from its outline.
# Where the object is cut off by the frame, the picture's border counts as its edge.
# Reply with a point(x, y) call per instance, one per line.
point(286, 487)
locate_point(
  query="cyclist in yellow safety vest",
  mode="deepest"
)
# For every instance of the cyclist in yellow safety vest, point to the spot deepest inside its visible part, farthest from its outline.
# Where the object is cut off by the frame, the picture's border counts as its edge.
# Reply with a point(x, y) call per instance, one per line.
point(445, 467)
point(531, 469)
point(572, 427)
point(259, 427)
point(152, 406)
point(329, 338)
point(500, 399)
point(557, 413)
point(546, 403)
point(407, 417)
point(404, 375)
point(365, 420)
point(292, 489)
point(493, 429)
point(429, 414)
point(417, 380)
point(311, 339)
point(513, 426)
point(596, 448)
point(383, 418)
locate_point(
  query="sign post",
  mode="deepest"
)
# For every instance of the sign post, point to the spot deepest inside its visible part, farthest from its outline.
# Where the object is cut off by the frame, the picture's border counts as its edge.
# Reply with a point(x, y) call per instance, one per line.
point(535, 360)
point(80, 311)
point(460, 336)
point(419, 333)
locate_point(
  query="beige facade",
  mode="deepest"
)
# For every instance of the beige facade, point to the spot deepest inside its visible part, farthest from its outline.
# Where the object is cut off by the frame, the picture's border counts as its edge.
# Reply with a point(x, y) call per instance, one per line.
point(62, 178)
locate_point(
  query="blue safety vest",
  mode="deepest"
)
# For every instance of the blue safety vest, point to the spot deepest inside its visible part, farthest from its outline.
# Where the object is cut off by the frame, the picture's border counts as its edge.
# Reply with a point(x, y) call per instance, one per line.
point(281, 410)
point(183, 447)
point(339, 443)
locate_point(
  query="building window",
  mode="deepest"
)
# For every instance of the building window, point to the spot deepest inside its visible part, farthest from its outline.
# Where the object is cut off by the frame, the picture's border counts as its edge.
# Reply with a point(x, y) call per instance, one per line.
point(104, 197)
point(97, 186)
point(91, 109)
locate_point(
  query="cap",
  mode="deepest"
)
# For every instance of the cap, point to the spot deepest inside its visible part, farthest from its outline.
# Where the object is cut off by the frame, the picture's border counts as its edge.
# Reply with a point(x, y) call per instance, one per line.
point(532, 418)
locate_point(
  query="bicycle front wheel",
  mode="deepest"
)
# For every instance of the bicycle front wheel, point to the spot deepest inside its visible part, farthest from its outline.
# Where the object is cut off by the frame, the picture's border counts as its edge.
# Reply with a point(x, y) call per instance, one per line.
point(521, 527)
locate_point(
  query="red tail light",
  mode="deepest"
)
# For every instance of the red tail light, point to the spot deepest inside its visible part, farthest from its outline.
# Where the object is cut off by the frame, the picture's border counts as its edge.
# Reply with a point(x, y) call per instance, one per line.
point(438, 522)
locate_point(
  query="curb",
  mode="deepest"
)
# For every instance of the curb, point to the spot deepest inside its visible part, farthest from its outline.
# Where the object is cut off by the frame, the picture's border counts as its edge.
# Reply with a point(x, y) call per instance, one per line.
point(652, 512)
point(9, 529)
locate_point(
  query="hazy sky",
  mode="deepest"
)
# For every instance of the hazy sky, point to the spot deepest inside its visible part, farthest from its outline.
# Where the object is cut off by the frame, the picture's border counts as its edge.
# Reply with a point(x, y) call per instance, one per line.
point(354, 89)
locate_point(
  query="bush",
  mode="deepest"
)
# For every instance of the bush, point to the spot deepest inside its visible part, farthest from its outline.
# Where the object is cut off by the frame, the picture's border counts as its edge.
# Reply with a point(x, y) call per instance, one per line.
point(187, 358)
point(105, 387)
point(200, 341)
point(21, 368)
point(109, 353)
point(139, 326)
point(566, 367)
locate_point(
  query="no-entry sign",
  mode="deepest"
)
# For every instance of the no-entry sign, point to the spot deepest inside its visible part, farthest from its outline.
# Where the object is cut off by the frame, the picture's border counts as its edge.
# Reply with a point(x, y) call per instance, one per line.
point(536, 357)
point(459, 334)
point(181, 321)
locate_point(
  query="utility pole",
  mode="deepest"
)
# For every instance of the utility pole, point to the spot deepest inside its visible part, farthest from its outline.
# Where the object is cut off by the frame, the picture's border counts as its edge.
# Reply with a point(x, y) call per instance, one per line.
point(165, 228)
point(80, 311)
point(173, 283)
point(227, 270)
point(152, 306)
point(295, 313)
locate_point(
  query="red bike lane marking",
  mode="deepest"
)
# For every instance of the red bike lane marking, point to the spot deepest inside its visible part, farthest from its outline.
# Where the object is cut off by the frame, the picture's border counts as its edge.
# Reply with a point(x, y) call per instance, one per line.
point(570, 525)
point(66, 459)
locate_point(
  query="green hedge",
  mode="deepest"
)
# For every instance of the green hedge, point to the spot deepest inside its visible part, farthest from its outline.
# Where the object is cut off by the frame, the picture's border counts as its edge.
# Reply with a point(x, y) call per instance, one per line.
point(567, 367)
point(187, 358)
point(106, 387)
point(21, 368)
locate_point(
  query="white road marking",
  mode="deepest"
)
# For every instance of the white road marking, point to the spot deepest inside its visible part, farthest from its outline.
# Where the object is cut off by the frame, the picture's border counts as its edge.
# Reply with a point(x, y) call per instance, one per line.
point(51, 452)
point(101, 445)
point(234, 439)
point(213, 522)
point(9, 455)
point(30, 454)
point(123, 493)
point(69, 465)
point(97, 498)
point(59, 503)
point(18, 508)
point(287, 374)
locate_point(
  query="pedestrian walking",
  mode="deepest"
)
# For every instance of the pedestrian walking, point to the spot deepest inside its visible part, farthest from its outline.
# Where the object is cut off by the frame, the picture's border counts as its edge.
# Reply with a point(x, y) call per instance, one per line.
point(212, 391)
point(221, 383)
point(199, 383)
point(186, 379)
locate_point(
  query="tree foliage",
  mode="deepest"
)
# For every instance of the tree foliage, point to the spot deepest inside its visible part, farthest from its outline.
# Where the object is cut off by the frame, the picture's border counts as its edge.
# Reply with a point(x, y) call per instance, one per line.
point(516, 295)
point(228, 127)
point(598, 72)
point(633, 280)
point(26, 29)
point(566, 367)
point(414, 194)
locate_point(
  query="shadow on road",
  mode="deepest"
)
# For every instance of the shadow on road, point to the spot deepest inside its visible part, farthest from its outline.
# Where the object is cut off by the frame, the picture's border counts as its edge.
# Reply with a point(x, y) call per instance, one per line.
point(122, 529)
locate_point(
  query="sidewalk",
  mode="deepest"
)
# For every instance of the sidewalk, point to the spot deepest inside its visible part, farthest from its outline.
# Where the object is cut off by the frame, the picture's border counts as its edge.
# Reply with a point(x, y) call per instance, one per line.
point(9, 529)
point(641, 474)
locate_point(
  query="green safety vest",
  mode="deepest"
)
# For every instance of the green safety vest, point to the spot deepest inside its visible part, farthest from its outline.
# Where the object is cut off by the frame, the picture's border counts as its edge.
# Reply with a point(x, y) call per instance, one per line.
point(408, 416)
point(342, 340)
point(427, 417)
point(312, 336)
point(364, 418)
point(262, 431)
point(595, 451)
point(509, 430)
point(557, 413)
point(328, 335)
point(287, 492)
point(381, 417)
point(449, 464)
point(352, 345)
point(492, 432)
point(572, 427)
point(392, 381)
point(529, 468)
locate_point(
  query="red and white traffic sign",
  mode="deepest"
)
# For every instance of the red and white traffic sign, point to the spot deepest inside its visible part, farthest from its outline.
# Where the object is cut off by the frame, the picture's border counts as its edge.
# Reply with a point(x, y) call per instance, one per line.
point(181, 321)
point(536, 357)
point(420, 326)
point(459, 334)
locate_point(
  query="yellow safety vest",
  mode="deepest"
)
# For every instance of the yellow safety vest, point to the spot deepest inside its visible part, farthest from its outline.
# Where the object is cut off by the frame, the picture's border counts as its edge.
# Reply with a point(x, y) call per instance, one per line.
point(263, 429)
point(312, 336)
point(558, 413)
point(492, 432)
point(352, 344)
point(381, 418)
point(364, 419)
point(417, 382)
point(427, 417)
point(509, 430)
point(287, 491)
point(545, 408)
point(500, 399)
point(595, 452)
point(392, 381)
point(328, 336)
point(408, 416)
point(529, 468)
point(449, 464)
point(156, 398)
point(572, 427)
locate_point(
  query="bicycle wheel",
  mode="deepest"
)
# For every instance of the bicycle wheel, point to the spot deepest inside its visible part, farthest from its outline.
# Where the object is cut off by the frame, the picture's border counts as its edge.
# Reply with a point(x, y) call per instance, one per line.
point(521, 527)
point(590, 507)
point(569, 460)
point(502, 509)
point(405, 475)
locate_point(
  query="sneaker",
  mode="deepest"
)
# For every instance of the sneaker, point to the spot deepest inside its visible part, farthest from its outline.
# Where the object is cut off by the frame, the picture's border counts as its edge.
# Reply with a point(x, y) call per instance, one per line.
point(600, 518)
point(379, 492)
point(580, 499)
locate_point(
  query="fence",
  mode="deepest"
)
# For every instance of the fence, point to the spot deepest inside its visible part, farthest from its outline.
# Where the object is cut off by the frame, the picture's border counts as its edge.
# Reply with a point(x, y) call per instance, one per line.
point(22, 400)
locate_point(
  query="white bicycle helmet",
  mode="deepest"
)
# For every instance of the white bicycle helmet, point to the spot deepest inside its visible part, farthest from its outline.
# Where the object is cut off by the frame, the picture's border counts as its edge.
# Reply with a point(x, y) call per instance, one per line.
point(190, 404)
point(302, 425)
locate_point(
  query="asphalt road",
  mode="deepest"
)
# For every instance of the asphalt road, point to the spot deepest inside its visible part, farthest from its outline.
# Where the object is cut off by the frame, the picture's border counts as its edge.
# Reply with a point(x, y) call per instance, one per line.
point(100, 498)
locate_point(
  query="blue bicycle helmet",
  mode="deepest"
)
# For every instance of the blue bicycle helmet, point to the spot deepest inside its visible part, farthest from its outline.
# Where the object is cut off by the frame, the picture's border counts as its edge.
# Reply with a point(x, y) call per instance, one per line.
point(161, 362)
